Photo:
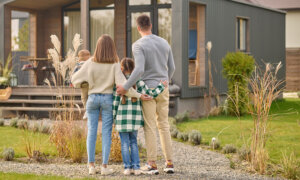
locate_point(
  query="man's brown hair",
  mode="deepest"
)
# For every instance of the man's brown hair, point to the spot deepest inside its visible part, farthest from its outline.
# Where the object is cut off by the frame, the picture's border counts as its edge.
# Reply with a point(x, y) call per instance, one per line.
point(105, 51)
point(144, 22)
point(127, 64)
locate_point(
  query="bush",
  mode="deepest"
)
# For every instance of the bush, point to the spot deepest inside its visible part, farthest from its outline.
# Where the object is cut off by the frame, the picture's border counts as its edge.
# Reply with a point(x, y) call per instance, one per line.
point(237, 68)
point(8, 154)
point(13, 123)
point(116, 154)
point(215, 143)
point(195, 137)
point(23, 124)
point(45, 128)
point(244, 153)
point(36, 127)
point(229, 148)
point(1, 122)
point(39, 157)
point(174, 133)
point(290, 166)
point(185, 136)
point(76, 143)
point(179, 118)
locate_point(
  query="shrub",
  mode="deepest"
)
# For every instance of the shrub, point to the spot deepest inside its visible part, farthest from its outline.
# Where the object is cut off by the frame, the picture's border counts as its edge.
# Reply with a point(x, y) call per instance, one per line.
point(174, 133)
point(115, 155)
point(179, 118)
point(244, 153)
point(215, 143)
point(39, 157)
point(76, 143)
point(45, 128)
point(229, 148)
point(1, 122)
point(195, 137)
point(8, 154)
point(35, 127)
point(290, 166)
point(23, 124)
point(14, 122)
point(58, 137)
point(237, 68)
point(185, 136)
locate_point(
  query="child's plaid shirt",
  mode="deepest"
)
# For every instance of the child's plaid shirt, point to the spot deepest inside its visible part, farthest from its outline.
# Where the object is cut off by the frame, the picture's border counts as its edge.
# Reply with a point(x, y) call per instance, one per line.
point(128, 117)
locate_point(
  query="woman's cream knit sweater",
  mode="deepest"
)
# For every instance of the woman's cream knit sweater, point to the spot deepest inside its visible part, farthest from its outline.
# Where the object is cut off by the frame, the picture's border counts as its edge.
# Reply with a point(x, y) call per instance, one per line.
point(101, 78)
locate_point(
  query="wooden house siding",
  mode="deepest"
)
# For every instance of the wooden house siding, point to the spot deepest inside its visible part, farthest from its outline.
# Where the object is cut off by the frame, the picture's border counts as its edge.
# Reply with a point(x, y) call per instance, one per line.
point(292, 69)
point(267, 38)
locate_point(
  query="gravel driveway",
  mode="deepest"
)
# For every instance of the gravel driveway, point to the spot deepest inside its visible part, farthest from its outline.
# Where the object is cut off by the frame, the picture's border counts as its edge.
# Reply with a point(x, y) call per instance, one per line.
point(190, 163)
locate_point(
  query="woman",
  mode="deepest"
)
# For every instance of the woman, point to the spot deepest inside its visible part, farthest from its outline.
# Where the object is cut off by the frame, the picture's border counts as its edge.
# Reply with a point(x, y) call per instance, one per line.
point(101, 72)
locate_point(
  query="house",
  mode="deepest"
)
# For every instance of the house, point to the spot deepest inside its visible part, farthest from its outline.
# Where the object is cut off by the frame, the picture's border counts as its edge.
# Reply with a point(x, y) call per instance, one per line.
point(292, 28)
point(231, 25)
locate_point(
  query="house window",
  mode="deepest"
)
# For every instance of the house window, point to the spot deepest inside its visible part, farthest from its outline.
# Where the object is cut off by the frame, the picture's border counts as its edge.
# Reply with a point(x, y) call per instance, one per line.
point(242, 34)
point(196, 46)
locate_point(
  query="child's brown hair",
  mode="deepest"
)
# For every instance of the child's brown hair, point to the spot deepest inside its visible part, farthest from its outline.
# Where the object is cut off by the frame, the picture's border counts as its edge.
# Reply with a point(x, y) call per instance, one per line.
point(127, 65)
point(84, 55)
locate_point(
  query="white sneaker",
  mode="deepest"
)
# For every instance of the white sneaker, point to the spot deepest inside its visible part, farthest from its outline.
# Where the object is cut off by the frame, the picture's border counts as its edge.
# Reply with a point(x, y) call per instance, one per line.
point(106, 171)
point(137, 172)
point(127, 172)
point(92, 170)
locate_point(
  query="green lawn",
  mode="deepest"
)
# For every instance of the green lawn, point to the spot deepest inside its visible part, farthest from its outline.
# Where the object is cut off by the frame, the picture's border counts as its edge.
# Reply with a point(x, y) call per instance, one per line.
point(15, 138)
point(16, 176)
point(284, 128)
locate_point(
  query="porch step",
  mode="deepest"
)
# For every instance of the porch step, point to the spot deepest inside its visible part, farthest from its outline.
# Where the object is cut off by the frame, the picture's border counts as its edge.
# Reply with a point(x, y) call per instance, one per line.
point(51, 109)
point(38, 101)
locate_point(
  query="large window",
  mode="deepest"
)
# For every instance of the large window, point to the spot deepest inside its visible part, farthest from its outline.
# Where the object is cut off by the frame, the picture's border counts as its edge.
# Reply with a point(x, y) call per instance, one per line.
point(160, 13)
point(101, 22)
point(71, 27)
point(242, 34)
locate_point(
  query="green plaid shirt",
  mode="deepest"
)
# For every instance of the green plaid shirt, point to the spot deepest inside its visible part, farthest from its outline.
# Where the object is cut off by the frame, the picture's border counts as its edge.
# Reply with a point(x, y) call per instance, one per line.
point(128, 117)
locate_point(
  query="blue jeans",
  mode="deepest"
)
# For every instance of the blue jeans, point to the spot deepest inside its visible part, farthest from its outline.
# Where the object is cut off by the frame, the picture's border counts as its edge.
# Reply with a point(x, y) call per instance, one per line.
point(131, 159)
point(94, 104)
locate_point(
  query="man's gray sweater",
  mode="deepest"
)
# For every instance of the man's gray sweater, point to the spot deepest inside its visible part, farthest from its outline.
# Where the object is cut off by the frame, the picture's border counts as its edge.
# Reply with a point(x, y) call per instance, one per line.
point(153, 61)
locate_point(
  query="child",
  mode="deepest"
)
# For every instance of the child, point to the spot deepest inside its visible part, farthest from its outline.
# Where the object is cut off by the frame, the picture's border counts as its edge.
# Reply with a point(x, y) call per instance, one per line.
point(83, 55)
point(128, 119)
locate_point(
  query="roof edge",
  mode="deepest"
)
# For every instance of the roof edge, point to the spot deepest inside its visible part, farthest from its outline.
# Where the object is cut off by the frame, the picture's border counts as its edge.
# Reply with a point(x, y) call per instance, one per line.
point(255, 5)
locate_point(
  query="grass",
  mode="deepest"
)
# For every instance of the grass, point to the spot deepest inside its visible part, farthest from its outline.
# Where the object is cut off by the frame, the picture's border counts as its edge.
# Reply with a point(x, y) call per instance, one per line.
point(12, 137)
point(284, 129)
point(16, 176)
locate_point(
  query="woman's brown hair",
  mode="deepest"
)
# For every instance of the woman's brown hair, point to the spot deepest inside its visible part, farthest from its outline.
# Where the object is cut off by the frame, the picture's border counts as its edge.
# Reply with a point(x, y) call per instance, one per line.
point(127, 65)
point(105, 51)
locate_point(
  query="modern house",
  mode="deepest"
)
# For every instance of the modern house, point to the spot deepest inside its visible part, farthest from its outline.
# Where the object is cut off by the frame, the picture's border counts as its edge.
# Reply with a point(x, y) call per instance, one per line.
point(231, 25)
point(292, 28)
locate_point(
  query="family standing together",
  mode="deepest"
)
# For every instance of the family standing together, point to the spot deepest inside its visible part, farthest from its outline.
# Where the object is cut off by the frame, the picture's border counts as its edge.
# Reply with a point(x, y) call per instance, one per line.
point(130, 94)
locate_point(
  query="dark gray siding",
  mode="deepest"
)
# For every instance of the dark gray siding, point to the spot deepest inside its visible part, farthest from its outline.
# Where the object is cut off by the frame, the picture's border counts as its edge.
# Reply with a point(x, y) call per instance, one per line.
point(267, 38)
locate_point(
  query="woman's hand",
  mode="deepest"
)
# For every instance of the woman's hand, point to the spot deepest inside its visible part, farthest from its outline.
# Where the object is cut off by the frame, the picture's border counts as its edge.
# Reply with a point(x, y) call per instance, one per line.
point(145, 97)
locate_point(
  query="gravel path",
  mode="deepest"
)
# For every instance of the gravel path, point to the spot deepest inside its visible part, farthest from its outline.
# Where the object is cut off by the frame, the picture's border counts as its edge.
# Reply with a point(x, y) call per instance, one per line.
point(190, 163)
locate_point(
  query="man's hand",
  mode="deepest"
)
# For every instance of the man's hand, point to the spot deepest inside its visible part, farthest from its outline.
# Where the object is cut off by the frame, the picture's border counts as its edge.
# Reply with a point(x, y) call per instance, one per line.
point(165, 83)
point(145, 97)
point(121, 90)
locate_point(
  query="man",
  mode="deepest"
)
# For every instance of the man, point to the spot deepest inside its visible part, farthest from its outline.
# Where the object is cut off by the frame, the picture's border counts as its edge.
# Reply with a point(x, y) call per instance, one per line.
point(153, 63)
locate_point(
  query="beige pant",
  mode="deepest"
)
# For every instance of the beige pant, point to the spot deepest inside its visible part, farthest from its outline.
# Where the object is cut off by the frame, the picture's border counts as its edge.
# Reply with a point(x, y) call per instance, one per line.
point(156, 113)
point(84, 93)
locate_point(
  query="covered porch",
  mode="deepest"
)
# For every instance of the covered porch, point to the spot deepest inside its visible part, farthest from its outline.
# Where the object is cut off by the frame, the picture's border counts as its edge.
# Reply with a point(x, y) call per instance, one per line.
point(65, 18)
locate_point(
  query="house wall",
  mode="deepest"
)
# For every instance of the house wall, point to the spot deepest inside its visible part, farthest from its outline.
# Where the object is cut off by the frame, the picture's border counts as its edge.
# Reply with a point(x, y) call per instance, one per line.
point(293, 29)
point(267, 39)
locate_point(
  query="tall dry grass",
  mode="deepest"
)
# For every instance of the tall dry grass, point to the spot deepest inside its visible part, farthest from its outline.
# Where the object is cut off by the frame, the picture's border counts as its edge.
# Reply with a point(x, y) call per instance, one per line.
point(68, 136)
point(265, 89)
